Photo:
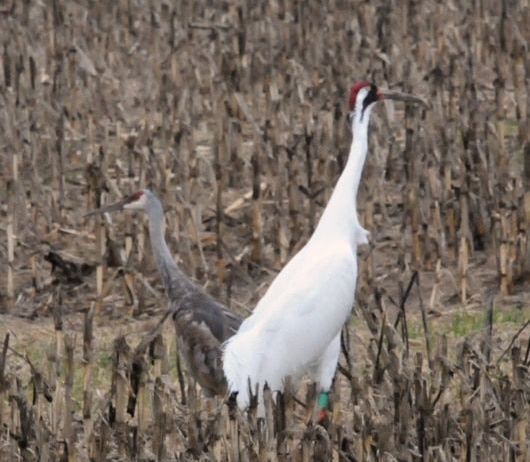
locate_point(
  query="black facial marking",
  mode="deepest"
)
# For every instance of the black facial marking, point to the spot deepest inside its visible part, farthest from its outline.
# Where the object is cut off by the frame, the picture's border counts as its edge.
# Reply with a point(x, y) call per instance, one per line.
point(370, 98)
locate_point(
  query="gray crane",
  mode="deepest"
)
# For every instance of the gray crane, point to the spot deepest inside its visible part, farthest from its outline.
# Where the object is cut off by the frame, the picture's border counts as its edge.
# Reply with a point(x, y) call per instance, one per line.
point(202, 324)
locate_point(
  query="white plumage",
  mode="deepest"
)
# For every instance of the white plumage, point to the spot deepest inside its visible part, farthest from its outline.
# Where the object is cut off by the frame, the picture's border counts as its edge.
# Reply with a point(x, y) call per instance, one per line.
point(285, 337)
point(295, 328)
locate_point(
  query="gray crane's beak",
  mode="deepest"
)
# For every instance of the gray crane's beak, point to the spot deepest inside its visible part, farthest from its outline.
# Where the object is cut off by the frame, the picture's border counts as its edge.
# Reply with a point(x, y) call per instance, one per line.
point(399, 96)
point(117, 206)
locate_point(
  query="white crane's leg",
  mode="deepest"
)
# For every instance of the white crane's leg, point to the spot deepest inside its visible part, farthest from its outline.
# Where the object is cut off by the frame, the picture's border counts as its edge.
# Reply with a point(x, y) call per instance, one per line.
point(323, 374)
point(325, 369)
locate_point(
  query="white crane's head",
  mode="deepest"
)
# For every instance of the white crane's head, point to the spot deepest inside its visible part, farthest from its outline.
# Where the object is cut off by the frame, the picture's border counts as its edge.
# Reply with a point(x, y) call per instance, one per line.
point(140, 200)
point(363, 95)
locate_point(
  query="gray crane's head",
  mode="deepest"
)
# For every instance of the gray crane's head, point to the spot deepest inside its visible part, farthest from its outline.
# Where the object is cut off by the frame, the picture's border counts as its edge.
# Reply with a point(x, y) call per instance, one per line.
point(364, 94)
point(140, 200)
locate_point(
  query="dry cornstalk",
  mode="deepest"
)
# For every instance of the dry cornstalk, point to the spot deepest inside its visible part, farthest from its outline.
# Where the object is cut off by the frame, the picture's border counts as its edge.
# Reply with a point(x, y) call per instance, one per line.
point(88, 361)
point(69, 368)
point(10, 236)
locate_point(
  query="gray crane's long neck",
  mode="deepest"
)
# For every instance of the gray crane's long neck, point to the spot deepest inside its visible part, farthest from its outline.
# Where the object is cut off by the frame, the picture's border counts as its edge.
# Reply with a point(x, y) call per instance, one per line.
point(173, 278)
point(339, 220)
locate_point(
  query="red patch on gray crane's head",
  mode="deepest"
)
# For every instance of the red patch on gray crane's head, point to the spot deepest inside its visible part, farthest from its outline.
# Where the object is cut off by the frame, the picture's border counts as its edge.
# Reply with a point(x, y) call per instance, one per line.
point(353, 92)
point(136, 196)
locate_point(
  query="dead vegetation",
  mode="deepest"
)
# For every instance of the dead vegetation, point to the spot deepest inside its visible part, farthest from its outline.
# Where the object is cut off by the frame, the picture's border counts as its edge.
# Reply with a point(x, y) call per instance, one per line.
point(234, 113)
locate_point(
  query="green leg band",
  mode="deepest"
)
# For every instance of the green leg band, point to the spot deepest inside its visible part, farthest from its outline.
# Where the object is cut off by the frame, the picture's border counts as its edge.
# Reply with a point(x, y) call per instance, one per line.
point(323, 400)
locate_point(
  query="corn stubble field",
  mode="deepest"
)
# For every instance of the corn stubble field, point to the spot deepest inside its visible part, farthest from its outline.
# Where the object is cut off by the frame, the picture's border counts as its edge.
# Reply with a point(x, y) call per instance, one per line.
point(234, 114)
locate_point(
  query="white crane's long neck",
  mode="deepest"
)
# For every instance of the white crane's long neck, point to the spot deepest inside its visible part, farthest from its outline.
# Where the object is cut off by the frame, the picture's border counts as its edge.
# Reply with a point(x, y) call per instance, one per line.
point(339, 220)
point(173, 278)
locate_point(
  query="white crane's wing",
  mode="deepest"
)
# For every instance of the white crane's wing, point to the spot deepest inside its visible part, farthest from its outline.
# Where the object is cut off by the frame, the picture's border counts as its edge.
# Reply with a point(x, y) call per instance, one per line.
point(310, 281)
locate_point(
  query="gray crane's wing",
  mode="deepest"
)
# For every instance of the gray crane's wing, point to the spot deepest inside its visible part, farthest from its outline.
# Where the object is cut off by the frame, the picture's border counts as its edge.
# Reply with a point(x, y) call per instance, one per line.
point(202, 325)
point(204, 310)
point(185, 295)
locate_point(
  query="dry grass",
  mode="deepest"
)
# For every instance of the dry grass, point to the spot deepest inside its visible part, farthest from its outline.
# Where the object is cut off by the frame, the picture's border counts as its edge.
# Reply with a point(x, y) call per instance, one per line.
point(233, 113)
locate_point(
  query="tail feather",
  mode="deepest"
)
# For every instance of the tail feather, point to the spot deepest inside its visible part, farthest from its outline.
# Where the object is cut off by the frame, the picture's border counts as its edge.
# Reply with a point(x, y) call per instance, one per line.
point(240, 364)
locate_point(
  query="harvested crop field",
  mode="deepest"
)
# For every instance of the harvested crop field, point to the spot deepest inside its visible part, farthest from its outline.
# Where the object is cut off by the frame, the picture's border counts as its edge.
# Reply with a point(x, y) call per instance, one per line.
point(234, 114)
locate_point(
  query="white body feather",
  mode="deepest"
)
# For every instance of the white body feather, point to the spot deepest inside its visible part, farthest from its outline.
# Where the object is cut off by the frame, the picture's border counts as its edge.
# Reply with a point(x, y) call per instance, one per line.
point(295, 328)
point(285, 338)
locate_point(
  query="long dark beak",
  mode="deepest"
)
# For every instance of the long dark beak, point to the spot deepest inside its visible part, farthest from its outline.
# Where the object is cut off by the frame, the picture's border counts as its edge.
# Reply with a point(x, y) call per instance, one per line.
point(116, 207)
point(399, 96)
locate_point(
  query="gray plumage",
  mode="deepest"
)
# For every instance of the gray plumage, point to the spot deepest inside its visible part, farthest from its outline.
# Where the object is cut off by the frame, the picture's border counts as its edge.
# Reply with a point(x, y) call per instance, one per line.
point(202, 324)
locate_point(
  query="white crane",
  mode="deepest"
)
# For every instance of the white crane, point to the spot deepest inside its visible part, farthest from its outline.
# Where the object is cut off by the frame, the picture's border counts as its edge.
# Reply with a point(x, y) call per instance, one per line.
point(295, 328)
